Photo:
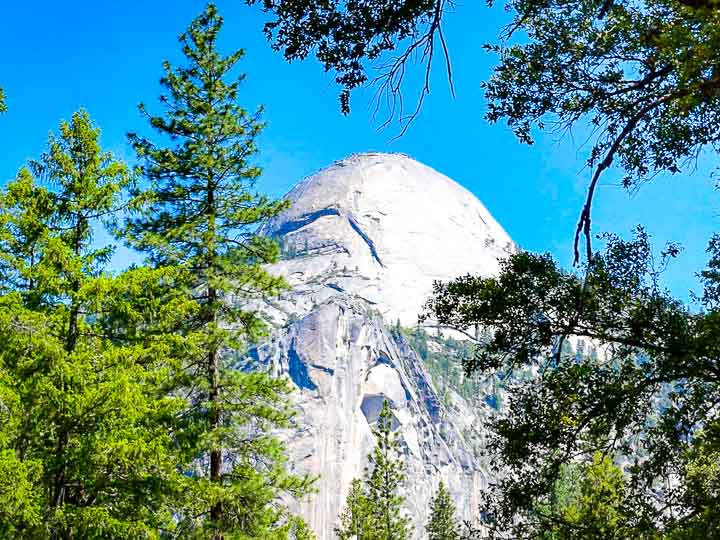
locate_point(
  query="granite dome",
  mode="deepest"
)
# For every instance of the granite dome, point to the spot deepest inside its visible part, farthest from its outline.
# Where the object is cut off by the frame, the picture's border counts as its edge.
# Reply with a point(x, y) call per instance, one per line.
point(385, 226)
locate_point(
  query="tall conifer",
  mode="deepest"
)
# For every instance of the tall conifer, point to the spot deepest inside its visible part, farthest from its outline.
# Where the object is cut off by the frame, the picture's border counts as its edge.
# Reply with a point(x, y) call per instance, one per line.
point(385, 481)
point(373, 509)
point(442, 524)
point(83, 449)
point(199, 212)
point(355, 520)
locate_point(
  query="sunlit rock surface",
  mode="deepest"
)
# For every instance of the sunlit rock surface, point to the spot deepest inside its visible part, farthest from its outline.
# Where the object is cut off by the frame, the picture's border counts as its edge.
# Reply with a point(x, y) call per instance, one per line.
point(362, 244)
point(383, 227)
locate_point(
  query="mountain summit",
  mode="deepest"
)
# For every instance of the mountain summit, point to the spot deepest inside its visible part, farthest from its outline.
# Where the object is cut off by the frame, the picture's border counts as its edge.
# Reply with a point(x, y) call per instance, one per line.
point(362, 244)
point(385, 226)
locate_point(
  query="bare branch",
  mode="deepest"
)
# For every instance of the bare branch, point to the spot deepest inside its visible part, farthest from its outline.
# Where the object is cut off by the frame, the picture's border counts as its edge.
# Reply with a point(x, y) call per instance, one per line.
point(390, 82)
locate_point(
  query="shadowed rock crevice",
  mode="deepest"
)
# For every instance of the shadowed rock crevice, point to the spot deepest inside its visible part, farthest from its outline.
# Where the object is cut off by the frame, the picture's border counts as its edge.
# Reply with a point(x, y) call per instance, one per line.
point(367, 239)
point(302, 221)
point(324, 369)
point(371, 406)
point(297, 369)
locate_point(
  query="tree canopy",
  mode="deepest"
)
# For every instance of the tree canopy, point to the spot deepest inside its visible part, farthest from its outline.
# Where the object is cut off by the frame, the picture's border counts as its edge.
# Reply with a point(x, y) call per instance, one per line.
point(198, 215)
point(345, 35)
point(85, 446)
point(648, 394)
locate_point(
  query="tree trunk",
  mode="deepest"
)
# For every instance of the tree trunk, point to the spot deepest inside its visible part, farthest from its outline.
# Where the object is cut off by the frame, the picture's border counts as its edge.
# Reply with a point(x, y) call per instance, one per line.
point(71, 338)
point(216, 512)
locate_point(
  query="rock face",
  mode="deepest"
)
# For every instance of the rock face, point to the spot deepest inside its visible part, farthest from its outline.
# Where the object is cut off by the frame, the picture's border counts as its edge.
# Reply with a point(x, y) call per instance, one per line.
point(362, 244)
point(382, 227)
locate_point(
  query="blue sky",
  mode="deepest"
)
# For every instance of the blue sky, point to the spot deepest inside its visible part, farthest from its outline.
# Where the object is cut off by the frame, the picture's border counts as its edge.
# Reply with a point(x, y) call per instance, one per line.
point(106, 57)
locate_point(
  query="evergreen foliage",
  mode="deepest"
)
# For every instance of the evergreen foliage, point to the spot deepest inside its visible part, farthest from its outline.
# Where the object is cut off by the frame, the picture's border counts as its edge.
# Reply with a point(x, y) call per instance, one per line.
point(299, 530)
point(442, 524)
point(588, 502)
point(85, 451)
point(3, 105)
point(373, 510)
point(386, 480)
point(355, 522)
point(198, 215)
point(445, 362)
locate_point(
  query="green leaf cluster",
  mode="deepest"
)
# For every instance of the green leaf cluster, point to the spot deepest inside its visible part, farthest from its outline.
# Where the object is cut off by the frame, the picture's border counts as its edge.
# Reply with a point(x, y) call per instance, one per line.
point(85, 441)
point(648, 394)
point(588, 502)
point(343, 35)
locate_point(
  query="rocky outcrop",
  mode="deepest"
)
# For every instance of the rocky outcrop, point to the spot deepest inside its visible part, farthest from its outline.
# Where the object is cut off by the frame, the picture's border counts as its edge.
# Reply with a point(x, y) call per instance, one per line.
point(345, 362)
point(363, 242)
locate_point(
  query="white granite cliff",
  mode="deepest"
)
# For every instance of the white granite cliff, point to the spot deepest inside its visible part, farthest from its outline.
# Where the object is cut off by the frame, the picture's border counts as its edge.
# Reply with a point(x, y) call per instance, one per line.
point(363, 243)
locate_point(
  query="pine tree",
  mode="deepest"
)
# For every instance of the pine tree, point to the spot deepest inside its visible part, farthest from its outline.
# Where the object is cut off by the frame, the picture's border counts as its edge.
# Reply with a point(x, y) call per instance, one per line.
point(355, 518)
point(599, 508)
point(442, 524)
point(373, 510)
point(385, 481)
point(199, 213)
point(587, 502)
point(397, 330)
point(84, 452)
point(299, 530)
